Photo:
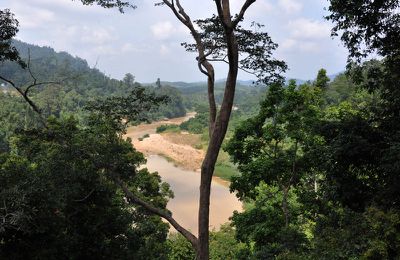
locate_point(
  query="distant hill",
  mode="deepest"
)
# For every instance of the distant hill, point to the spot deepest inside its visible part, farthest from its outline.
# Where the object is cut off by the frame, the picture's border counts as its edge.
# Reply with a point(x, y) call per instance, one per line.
point(77, 82)
point(221, 82)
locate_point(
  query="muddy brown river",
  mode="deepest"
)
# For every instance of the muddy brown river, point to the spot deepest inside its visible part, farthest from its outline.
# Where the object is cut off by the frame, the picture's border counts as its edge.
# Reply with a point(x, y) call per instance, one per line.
point(185, 185)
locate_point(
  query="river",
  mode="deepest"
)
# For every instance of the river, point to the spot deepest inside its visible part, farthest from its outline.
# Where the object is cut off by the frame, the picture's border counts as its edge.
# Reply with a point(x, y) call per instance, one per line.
point(185, 185)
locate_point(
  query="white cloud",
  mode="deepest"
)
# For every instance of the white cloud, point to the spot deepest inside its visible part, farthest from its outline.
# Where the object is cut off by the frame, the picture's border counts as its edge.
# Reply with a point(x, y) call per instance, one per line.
point(256, 10)
point(310, 47)
point(130, 48)
point(287, 44)
point(293, 45)
point(31, 17)
point(163, 30)
point(104, 50)
point(290, 6)
point(97, 36)
point(164, 50)
point(308, 29)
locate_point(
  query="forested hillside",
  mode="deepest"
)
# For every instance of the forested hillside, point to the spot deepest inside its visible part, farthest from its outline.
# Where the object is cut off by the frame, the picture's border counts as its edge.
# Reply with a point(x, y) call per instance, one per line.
point(70, 85)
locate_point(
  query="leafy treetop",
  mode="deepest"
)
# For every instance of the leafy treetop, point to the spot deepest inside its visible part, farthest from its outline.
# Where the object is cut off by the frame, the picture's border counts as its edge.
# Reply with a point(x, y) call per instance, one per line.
point(8, 30)
point(255, 47)
point(367, 26)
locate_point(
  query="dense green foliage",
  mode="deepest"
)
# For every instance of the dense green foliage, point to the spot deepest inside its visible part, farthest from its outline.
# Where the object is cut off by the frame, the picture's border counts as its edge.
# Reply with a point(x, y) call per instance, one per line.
point(59, 200)
point(270, 152)
point(14, 113)
point(223, 245)
point(322, 181)
point(367, 26)
point(319, 171)
point(58, 190)
point(8, 29)
point(174, 107)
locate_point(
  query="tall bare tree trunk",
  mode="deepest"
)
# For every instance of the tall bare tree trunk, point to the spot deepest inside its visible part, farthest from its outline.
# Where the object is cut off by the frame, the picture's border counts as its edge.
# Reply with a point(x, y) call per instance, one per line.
point(217, 137)
point(218, 122)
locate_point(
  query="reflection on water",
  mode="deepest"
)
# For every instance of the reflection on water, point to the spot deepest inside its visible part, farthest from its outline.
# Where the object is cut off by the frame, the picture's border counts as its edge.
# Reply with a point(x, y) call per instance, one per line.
point(185, 185)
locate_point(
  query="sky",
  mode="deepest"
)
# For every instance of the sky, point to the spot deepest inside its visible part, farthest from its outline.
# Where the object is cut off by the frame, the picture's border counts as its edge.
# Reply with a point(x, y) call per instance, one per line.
point(146, 41)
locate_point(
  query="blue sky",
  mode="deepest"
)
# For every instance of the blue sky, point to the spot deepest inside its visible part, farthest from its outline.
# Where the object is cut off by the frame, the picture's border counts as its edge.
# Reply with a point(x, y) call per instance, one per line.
point(146, 41)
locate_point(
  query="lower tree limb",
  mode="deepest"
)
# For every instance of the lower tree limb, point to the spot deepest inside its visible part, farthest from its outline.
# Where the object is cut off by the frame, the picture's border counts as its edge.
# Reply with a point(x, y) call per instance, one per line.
point(159, 212)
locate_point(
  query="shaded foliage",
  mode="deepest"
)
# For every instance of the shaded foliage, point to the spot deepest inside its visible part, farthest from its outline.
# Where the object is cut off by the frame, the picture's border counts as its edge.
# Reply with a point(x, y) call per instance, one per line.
point(367, 26)
point(137, 107)
point(8, 30)
point(59, 200)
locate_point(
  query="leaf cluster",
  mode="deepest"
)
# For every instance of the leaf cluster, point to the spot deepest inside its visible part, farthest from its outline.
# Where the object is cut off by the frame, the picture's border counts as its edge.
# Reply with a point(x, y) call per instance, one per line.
point(255, 48)
point(367, 26)
point(134, 108)
point(59, 200)
point(121, 5)
point(8, 30)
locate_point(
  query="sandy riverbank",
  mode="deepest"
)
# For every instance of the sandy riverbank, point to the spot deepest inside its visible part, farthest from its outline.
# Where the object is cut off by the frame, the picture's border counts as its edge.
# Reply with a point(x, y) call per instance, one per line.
point(169, 146)
point(184, 179)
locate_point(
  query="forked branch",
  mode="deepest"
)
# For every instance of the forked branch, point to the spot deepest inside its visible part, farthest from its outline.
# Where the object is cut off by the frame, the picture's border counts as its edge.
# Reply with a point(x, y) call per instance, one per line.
point(204, 66)
point(24, 94)
point(243, 10)
point(159, 212)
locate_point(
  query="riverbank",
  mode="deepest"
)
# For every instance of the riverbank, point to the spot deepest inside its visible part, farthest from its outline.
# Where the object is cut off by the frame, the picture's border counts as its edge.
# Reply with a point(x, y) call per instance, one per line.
point(185, 185)
point(178, 148)
point(183, 149)
point(177, 158)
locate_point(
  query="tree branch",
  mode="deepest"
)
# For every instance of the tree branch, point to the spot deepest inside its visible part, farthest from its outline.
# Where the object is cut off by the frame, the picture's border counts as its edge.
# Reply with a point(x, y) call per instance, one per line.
point(240, 16)
point(166, 215)
point(27, 99)
point(204, 66)
point(220, 12)
point(200, 65)
point(171, 5)
point(86, 197)
point(241, 68)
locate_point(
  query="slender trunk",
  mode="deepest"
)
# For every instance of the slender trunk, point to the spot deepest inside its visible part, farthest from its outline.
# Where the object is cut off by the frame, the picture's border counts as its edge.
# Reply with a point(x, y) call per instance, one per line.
point(217, 137)
point(218, 125)
point(211, 98)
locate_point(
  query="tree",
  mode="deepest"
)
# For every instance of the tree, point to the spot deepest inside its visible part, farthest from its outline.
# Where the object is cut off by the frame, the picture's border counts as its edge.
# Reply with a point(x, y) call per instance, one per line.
point(59, 200)
point(270, 151)
point(228, 44)
point(367, 26)
point(8, 29)
point(129, 80)
point(322, 79)
point(120, 4)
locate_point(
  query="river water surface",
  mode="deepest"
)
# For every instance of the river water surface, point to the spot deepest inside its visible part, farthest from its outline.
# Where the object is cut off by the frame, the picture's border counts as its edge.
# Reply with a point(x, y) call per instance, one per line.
point(185, 185)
